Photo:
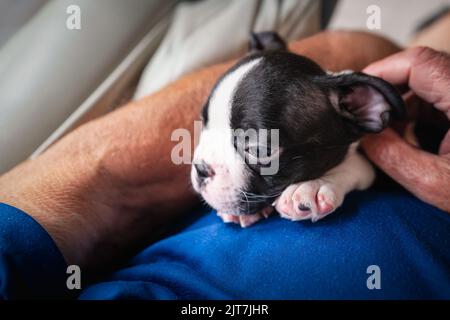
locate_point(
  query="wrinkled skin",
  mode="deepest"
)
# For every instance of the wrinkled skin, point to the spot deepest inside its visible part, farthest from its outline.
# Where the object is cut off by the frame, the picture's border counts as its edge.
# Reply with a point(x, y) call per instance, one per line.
point(427, 74)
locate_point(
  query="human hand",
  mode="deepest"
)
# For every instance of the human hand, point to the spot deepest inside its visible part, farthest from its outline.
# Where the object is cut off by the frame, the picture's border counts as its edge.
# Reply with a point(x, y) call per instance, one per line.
point(427, 74)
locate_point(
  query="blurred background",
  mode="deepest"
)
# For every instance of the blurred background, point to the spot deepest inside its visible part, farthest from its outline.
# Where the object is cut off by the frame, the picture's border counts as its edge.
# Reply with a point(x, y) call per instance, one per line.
point(54, 78)
point(400, 17)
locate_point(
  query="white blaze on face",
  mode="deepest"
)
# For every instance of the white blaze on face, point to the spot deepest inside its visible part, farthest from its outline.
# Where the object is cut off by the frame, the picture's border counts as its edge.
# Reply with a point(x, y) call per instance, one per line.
point(215, 148)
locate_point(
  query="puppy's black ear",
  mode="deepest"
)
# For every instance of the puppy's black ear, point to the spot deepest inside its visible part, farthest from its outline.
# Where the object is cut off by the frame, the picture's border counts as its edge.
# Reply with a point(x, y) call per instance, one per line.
point(368, 102)
point(266, 41)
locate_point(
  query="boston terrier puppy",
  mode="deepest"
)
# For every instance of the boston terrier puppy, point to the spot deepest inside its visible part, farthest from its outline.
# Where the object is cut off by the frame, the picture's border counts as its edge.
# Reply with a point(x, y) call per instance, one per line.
point(311, 120)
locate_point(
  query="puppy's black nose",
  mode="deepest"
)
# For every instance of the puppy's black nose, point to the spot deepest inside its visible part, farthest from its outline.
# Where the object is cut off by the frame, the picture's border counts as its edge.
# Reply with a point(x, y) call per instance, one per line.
point(204, 170)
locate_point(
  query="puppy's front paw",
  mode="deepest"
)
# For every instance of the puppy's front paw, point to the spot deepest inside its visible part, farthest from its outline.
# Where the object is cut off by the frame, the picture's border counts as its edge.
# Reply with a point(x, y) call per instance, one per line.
point(313, 200)
point(246, 220)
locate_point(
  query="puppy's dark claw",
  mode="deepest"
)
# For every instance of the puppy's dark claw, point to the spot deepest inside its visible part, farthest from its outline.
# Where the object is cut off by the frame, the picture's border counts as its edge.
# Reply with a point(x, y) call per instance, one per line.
point(303, 207)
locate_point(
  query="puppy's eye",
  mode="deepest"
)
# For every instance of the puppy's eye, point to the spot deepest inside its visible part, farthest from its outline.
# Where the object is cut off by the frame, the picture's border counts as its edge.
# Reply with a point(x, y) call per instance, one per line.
point(259, 151)
point(260, 155)
point(254, 153)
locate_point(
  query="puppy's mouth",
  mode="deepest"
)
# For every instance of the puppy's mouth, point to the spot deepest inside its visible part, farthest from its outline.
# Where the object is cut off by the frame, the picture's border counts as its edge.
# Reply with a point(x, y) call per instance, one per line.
point(222, 194)
point(238, 202)
point(243, 204)
point(250, 204)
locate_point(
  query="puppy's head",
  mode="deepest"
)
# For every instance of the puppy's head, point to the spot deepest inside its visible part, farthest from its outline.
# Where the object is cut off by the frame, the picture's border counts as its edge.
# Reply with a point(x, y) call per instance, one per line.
point(277, 118)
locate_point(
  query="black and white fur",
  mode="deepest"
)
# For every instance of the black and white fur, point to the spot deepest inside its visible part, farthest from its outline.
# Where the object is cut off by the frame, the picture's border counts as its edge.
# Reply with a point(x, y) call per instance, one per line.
point(320, 117)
